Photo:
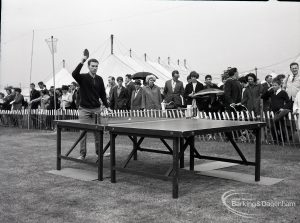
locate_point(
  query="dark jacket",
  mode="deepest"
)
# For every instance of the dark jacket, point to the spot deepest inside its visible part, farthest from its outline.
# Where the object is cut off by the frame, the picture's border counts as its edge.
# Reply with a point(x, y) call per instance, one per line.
point(18, 101)
point(278, 101)
point(266, 102)
point(251, 98)
point(130, 88)
point(7, 99)
point(91, 89)
point(170, 95)
point(232, 92)
point(119, 102)
point(136, 101)
point(189, 89)
point(34, 94)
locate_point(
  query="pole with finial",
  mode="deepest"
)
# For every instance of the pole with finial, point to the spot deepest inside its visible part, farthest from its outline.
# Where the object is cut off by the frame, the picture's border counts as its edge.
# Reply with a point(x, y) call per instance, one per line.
point(168, 60)
point(145, 57)
point(255, 71)
point(158, 60)
point(130, 53)
point(112, 44)
point(178, 62)
point(64, 63)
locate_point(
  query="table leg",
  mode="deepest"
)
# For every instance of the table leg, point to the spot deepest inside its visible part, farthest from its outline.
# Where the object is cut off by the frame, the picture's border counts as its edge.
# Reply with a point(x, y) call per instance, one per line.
point(175, 167)
point(192, 152)
point(134, 147)
point(257, 154)
point(100, 157)
point(181, 153)
point(58, 147)
point(112, 158)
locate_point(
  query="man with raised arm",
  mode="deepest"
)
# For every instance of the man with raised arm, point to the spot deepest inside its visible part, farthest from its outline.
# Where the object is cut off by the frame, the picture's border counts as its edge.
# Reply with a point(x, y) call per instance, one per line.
point(91, 91)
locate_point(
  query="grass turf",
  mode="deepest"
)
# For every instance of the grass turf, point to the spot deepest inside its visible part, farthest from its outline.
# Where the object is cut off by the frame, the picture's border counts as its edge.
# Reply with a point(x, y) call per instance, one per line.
point(29, 194)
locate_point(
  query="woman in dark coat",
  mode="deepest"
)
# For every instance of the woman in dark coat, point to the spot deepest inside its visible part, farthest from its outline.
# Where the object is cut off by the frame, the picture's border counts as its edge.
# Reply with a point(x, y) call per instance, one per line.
point(252, 94)
point(191, 88)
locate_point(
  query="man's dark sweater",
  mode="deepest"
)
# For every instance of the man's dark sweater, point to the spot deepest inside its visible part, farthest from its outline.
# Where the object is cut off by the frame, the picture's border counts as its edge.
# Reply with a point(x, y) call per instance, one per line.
point(91, 89)
point(232, 91)
point(278, 101)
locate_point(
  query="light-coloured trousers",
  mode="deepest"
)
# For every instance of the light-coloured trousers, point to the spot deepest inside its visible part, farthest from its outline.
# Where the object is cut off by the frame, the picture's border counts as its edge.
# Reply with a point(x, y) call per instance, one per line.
point(88, 114)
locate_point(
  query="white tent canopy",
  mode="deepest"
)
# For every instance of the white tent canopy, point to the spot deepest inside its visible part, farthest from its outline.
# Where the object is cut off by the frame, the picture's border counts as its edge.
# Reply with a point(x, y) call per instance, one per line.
point(62, 77)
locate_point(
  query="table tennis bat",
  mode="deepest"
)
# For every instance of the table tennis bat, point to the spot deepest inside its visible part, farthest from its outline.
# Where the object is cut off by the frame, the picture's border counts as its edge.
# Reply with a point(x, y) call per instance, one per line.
point(86, 53)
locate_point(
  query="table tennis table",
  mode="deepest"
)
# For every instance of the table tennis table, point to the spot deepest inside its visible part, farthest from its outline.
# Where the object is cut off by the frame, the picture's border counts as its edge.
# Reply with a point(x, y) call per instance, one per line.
point(90, 126)
point(182, 132)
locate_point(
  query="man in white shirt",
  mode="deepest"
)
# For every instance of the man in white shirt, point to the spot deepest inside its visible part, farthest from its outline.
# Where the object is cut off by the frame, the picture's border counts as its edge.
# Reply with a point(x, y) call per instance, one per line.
point(111, 84)
point(292, 82)
point(66, 98)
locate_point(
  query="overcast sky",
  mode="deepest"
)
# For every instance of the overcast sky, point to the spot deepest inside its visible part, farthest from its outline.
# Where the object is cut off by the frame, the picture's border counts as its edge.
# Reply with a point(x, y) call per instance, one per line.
point(210, 35)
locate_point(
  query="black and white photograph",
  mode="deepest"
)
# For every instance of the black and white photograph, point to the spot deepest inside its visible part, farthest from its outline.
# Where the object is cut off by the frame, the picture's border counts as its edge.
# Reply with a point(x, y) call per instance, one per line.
point(128, 111)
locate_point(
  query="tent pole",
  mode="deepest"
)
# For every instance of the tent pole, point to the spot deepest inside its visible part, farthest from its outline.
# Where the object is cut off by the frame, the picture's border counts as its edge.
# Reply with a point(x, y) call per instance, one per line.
point(53, 70)
point(112, 44)
point(30, 74)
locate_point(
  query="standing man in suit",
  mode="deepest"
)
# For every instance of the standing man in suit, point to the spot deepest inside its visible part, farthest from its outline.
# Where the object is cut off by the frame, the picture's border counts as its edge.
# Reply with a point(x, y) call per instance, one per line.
point(130, 86)
point(265, 88)
point(120, 97)
point(174, 90)
point(136, 96)
point(91, 91)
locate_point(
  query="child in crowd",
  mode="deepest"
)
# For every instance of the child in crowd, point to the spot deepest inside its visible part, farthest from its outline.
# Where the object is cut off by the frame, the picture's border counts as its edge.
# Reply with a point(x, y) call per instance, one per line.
point(280, 105)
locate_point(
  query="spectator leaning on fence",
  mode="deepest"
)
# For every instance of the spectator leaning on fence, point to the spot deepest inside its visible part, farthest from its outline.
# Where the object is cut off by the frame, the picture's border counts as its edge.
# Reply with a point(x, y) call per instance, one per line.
point(91, 91)
point(292, 82)
point(252, 93)
point(151, 97)
point(280, 105)
point(120, 97)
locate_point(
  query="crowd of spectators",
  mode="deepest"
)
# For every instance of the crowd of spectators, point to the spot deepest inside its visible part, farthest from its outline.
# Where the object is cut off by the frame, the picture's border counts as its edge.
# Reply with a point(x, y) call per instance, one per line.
point(279, 95)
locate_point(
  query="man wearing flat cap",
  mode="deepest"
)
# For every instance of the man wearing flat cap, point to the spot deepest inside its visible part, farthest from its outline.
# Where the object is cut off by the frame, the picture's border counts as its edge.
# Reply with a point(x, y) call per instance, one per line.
point(136, 96)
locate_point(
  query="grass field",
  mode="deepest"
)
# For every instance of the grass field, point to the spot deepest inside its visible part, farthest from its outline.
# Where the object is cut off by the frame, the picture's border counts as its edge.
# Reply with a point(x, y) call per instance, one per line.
point(29, 194)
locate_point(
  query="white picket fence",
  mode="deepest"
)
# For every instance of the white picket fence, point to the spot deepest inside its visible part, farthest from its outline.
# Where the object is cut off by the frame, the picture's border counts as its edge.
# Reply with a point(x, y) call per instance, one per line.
point(285, 132)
